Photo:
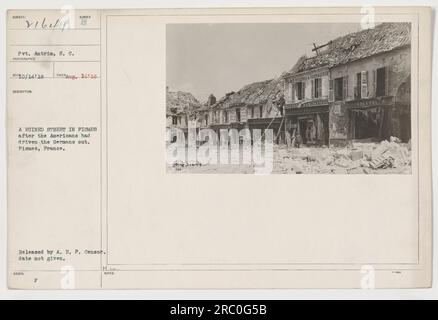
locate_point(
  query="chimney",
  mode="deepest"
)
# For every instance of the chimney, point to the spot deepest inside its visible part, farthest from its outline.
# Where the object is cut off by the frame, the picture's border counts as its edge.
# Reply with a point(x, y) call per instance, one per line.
point(211, 100)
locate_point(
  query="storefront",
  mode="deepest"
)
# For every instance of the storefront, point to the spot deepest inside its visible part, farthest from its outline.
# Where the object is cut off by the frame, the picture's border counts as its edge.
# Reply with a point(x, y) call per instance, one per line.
point(371, 119)
point(276, 124)
point(308, 124)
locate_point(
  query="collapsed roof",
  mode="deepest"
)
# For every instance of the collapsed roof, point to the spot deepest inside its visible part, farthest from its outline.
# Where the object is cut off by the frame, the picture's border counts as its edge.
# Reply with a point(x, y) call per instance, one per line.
point(358, 45)
point(257, 92)
point(253, 94)
point(181, 102)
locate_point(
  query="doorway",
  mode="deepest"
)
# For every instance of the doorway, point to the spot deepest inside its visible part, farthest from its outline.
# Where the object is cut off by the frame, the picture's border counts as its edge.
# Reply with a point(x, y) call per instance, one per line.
point(367, 123)
point(307, 130)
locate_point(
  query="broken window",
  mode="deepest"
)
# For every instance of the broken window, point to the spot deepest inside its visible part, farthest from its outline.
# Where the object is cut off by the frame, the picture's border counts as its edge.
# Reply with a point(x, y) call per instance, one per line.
point(367, 123)
point(317, 88)
point(381, 82)
point(261, 111)
point(206, 119)
point(361, 85)
point(358, 86)
point(238, 115)
point(345, 87)
point(339, 88)
point(364, 85)
point(174, 120)
point(300, 87)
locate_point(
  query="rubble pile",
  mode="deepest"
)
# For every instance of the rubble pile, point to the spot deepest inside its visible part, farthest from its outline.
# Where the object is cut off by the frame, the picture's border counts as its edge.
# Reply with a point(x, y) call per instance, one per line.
point(363, 158)
point(391, 156)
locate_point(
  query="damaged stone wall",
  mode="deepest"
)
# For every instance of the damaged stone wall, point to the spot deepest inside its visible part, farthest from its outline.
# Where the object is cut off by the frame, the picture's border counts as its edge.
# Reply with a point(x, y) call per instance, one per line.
point(397, 117)
point(398, 61)
point(402, 108)
point(320, 126)
point(307, 78)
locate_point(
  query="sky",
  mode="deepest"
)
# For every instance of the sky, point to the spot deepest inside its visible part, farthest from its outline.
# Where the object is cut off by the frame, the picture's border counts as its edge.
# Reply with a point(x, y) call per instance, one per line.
point(219, 58)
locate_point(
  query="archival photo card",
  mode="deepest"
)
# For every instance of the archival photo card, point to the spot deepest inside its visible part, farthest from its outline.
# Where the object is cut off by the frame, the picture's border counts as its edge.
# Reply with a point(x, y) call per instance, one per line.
point(227, 148)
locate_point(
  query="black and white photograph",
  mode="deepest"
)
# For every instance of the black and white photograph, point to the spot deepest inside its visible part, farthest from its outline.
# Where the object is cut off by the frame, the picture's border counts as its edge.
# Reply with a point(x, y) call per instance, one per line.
point(289, 98)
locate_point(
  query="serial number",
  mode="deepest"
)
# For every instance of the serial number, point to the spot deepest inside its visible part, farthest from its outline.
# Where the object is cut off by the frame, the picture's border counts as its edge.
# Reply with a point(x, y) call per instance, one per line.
point(219, 310)
point(232, 309)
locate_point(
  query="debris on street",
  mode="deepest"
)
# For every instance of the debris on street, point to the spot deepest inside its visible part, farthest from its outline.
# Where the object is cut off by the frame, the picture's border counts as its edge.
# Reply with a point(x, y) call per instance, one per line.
point(357, 158)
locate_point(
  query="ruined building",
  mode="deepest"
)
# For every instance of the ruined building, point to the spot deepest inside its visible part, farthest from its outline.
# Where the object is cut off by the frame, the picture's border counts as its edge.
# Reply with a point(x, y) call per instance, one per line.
point(253, 106)
point(354, 87)
point(180, 109)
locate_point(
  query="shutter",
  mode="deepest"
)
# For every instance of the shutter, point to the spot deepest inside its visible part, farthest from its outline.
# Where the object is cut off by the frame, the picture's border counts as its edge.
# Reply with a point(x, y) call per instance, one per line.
point(319, 88)
point(292, 91)
point(345, 87)
point(312, 83)
point(355, 88)
point(303, 90)
point(386, 81)
point(375, 83)
point(364, 84)
point(331, 91)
